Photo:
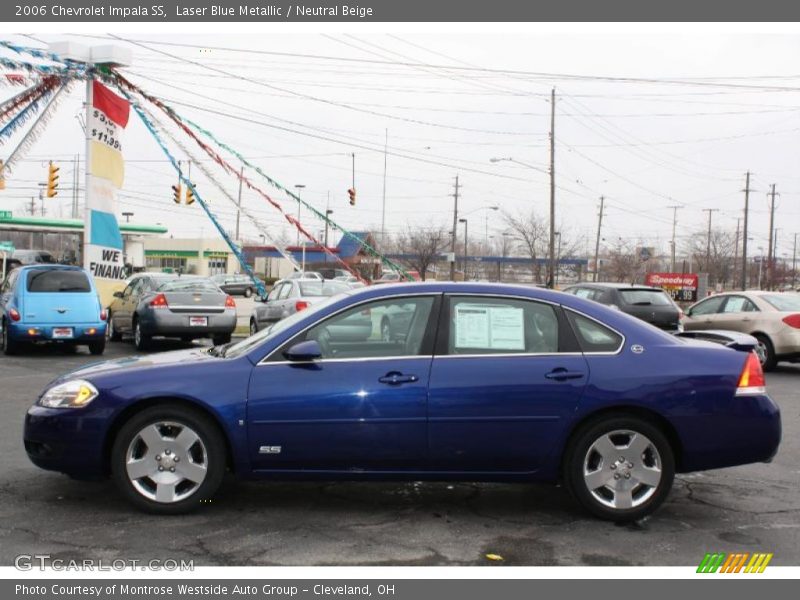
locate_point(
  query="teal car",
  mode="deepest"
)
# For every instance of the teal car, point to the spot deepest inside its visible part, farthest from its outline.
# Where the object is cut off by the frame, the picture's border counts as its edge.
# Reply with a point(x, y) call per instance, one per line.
point(51, 303)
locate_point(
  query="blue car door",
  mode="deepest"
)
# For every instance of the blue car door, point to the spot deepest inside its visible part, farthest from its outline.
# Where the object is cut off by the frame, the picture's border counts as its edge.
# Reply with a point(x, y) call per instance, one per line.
point(361, 406)
point(505, 377)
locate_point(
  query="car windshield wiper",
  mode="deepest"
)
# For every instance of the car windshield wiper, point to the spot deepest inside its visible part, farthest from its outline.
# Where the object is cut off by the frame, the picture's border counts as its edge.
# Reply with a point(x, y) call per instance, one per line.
point(645, 303)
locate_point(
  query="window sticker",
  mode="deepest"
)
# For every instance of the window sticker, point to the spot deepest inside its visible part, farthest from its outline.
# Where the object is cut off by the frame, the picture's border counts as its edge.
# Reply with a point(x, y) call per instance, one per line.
point(489, 327)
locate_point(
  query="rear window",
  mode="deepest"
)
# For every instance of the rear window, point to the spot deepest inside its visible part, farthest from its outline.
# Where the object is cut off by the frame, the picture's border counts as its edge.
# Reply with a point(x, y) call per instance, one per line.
point(188, 285)
point(783, 302)
point(58, 280)
point(321, 288)
point(593, 336)
point(645, 297)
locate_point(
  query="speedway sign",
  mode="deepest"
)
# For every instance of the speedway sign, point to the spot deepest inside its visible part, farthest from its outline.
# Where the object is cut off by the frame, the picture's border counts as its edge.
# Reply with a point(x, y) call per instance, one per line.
point(682, 287)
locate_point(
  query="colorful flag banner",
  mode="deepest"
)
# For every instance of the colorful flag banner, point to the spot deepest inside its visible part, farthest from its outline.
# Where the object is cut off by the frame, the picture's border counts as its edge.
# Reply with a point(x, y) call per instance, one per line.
point(103, 244)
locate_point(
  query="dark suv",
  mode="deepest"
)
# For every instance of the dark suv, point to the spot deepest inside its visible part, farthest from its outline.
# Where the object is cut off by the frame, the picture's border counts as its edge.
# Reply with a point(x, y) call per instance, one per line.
point(649, 304)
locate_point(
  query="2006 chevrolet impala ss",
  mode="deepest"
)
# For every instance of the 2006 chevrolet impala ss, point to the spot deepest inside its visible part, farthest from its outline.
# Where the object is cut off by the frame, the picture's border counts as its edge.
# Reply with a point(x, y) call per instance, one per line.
point(486, 382)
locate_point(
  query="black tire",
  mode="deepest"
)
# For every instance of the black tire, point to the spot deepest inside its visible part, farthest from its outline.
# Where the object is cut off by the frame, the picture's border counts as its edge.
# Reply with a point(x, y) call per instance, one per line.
point(10, 347)
point(219, 340)
point(253, 327)
point(209, 435)
point(578, 453)
point(248, 292)
point(97, 348)
point(140, 339)
point(111, 331)
point(770, 360)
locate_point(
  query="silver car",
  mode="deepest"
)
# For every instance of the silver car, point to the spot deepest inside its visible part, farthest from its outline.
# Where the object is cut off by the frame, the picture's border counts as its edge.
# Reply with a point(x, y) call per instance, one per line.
point(185, 307)
point(773, 318)
point(290, 296)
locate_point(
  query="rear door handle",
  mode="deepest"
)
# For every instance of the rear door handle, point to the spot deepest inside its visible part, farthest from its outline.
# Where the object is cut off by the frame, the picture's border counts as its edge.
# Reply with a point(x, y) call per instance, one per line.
point(396, 378)
point(563, 374)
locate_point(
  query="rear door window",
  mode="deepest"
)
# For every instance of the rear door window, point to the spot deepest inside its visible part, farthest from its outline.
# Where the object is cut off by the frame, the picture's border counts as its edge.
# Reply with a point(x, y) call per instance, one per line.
point(58, 280)
point(737, 304)
point(708, 307)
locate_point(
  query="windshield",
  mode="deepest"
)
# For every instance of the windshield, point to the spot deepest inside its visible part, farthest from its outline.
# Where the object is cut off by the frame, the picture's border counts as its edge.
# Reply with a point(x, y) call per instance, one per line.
point(321, 288)
point(246, 345)
point(783, 302)
point(187, 285)
point(645, 297)
point(58, 280)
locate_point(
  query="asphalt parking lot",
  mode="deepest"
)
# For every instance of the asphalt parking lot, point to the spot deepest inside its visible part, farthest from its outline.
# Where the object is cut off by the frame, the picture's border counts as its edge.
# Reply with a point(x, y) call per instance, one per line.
point(750, 508)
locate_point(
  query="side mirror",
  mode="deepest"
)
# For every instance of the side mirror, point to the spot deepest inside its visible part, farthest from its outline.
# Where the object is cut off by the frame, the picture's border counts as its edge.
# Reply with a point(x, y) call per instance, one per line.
point(304, 351)
point(118, 294)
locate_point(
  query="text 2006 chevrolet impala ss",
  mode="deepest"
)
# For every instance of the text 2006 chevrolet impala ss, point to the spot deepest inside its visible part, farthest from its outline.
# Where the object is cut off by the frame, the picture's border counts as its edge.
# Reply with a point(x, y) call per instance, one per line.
point(486, 382)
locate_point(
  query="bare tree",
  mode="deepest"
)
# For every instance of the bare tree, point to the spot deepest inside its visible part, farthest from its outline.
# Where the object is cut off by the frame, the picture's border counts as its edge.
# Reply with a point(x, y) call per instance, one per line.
point(621, 263)
point(531, 233)
point(719, 263)
point(421, 247)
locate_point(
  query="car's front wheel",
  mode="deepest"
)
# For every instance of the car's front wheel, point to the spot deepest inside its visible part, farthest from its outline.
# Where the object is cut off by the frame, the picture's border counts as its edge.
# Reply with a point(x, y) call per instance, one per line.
point(248, 292)
point(253, 327)
point(140, 339)
point(620, 468)
point(113, 334)
point(167, 459)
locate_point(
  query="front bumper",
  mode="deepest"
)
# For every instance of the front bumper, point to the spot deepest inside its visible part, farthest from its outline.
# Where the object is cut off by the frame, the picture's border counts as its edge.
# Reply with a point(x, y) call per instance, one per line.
point(82, 333)
point(67, 440)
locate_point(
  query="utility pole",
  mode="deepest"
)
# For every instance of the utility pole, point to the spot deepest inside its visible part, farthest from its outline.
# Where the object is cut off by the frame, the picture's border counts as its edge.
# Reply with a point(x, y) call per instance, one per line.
point(744, 229)
point(674, 208)
point(597, 242)
point(239, 203)
point(76, 164)
point(383, 208)
point(455, 232)
point(770, 254)
point(735, 254)
point(552, 266)
point(708, 239)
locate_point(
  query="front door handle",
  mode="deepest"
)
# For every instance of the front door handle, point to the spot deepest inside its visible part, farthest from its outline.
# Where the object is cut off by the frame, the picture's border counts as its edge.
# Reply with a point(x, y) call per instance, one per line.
point(396, 378)
point(563, 374)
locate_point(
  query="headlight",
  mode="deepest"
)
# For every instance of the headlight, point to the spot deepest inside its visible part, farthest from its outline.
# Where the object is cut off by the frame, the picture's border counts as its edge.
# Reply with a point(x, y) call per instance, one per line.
point(70, 394)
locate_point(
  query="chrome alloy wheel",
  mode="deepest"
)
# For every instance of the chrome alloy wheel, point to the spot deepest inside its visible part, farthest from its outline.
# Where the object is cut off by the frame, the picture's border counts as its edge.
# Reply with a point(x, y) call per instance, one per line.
point(622, 469)
point(166, 462)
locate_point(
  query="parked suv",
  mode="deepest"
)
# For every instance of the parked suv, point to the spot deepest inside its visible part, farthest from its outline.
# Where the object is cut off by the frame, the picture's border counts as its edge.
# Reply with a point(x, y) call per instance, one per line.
point(51, 303)
point(649, 304)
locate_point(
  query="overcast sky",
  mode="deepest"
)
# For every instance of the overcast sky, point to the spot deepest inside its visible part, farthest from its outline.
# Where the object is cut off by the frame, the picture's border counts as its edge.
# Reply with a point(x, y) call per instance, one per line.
point(679, 124)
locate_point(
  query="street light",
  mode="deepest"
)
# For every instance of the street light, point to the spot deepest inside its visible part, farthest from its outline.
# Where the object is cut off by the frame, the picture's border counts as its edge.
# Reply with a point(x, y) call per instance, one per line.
point(466, 246)
point(552, 251)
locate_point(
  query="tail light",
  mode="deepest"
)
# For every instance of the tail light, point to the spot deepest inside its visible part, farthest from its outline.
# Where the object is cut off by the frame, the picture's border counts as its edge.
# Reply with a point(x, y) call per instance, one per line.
point(300, 305)
point(103, 315)
point(15, 316)
point(230, 302)
point(792, 321)
point(159, 301)
point(751, 381)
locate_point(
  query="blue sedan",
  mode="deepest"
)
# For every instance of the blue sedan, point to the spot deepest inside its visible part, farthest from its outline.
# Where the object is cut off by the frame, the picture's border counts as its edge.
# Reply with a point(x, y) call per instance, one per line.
point(487, 383)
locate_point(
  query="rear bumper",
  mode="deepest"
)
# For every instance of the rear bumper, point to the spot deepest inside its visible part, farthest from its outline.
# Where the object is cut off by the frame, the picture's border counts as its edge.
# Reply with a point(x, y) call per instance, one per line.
point(81, 333)
point(746, 430)
point(164, 322)
point(787, 343)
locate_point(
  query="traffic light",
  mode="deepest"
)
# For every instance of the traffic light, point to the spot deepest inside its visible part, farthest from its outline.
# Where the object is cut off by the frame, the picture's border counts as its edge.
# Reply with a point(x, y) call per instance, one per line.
point(176, 193)
point(352, 193)
point(189, 195)
point(52, 180)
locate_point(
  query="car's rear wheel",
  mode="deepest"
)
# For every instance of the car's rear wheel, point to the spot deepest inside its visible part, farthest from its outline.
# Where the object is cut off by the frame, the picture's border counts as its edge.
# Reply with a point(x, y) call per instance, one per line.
point(766, 352)
point(620, 468)
point(167, 459)
point(111, 330)
point(219, 340)
point(97, 348)
point(248, 292)
point(10, 346)
point(140, 339)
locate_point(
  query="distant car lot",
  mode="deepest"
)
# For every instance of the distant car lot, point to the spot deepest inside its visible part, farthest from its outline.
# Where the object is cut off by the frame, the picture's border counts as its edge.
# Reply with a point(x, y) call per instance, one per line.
point(749, 508)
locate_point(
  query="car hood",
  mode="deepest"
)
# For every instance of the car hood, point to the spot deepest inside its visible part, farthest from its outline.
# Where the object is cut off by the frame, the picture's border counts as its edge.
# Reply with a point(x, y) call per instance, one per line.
point(148, 361)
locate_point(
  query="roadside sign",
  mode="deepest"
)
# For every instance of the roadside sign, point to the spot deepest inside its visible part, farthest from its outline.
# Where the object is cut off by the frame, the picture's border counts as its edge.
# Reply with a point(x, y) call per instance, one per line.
point(682, 287)
point(5, 214)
